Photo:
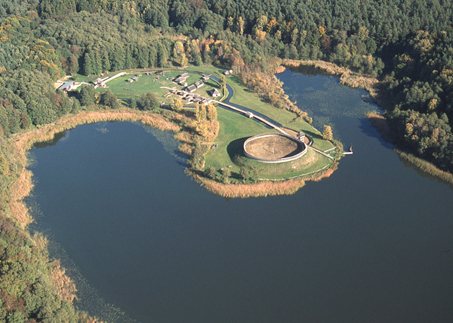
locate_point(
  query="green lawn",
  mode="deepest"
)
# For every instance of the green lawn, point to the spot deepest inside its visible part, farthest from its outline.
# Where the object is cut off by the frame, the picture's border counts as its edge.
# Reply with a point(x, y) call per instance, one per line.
point(234, 130)
point(149, 83)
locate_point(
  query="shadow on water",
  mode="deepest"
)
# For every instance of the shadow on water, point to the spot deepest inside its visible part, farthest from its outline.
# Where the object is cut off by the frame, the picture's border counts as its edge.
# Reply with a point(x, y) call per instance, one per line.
point(309, 70)
point(366, 128)
point(51, 142)
point(407, 164)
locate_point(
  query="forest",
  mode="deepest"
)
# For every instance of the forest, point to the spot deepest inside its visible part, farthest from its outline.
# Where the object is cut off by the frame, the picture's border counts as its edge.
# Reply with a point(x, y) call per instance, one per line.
point(406, 44)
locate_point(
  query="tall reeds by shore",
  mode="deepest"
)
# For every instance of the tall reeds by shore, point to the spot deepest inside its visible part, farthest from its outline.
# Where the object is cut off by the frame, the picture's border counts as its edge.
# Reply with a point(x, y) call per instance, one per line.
point(347, 77)
point(425, 167)
point(259, 189)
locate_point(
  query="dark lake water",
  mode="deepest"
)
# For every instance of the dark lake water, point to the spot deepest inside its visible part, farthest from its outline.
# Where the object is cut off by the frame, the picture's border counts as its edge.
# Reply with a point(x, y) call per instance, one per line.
point(372, 243)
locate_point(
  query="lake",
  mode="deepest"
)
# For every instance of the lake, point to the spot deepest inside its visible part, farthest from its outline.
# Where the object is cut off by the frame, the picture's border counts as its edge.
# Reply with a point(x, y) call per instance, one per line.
point(144, 242)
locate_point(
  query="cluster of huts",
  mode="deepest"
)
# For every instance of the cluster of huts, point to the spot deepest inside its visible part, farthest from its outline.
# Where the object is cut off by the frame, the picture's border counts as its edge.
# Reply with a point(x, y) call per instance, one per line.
point(196, 98)
point(194, 86)
point(133, 79)
point(181, 80)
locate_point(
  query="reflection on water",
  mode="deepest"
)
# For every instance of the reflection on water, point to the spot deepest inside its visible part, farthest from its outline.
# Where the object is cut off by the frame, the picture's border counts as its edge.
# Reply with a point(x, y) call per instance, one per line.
point(59, 136)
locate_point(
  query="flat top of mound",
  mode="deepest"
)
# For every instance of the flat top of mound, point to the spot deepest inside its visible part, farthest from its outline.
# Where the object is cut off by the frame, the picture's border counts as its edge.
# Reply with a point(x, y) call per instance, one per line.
point(272, 147)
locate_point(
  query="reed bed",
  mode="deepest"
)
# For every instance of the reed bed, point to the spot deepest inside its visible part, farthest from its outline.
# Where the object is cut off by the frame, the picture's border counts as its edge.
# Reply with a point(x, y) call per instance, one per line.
point(250, 190)
point(425, 166)
point(381, 124)
point(279, 69)
point(20, 189)
point(347, 77)
point(260, 189)
point(65, 286)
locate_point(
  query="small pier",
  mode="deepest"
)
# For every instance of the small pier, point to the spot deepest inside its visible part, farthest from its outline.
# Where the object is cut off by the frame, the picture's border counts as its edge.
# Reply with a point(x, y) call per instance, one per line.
point(349, 152)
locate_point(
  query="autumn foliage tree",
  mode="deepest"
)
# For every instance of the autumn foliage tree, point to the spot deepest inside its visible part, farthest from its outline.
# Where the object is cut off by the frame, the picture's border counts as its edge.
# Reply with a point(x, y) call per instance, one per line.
point(327, 133)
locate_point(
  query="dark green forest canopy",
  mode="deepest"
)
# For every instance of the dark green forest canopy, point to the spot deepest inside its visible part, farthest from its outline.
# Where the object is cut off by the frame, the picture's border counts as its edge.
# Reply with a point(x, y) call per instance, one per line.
point(408, 44)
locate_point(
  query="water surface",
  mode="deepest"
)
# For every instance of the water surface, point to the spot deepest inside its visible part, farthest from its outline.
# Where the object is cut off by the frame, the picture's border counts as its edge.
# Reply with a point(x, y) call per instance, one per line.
point(372, 243)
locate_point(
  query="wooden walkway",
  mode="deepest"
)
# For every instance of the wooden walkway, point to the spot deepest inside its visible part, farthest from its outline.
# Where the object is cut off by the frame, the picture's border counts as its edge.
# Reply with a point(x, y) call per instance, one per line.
point(251, 115)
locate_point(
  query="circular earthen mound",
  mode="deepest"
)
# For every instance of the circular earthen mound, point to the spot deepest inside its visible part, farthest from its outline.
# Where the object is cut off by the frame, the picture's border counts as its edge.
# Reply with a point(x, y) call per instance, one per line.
point(274, 148)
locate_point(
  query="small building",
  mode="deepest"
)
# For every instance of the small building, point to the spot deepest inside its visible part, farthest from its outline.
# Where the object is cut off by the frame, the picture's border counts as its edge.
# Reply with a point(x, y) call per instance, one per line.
point(301, 136)
point(190, 88)
point(133, 79)
point(214, 93)
point(228, 72)
point(206, 77)
point(179, 79)
point(199, 84)
point(68, 86)
point(149, 73)
point(183, 83)
point(159, 72)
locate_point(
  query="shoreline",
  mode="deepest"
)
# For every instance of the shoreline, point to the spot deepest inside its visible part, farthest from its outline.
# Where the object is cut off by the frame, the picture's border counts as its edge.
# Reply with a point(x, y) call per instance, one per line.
point(377, 120)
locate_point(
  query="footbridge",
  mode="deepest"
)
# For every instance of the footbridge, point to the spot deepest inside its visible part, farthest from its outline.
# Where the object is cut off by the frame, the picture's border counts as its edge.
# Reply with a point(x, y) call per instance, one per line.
point(253, 116)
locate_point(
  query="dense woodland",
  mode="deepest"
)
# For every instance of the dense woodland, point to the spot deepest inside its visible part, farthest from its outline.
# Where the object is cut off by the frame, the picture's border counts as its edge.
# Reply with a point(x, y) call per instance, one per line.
point(407, 44)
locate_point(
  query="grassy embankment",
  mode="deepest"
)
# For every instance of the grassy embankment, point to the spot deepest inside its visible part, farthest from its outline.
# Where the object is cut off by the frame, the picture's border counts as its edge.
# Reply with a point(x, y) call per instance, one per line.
point(235, 128)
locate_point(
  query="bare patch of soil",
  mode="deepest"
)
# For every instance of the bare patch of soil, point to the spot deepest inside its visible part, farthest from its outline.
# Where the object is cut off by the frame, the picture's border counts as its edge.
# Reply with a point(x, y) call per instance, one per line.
point(272, 147)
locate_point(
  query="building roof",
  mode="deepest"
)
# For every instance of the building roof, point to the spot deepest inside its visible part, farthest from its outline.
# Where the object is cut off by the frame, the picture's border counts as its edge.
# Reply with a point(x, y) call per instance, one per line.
point(67, 85)
point(191, 88)
point(199, 83)
point(214, 92)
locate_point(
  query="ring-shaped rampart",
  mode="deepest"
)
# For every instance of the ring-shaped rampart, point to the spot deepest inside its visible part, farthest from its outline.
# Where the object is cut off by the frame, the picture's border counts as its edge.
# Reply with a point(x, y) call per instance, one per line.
point(301, 149)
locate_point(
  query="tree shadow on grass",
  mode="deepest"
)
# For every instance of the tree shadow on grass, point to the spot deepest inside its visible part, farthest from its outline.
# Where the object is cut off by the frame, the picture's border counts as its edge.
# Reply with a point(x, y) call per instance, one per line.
point(235, 148)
